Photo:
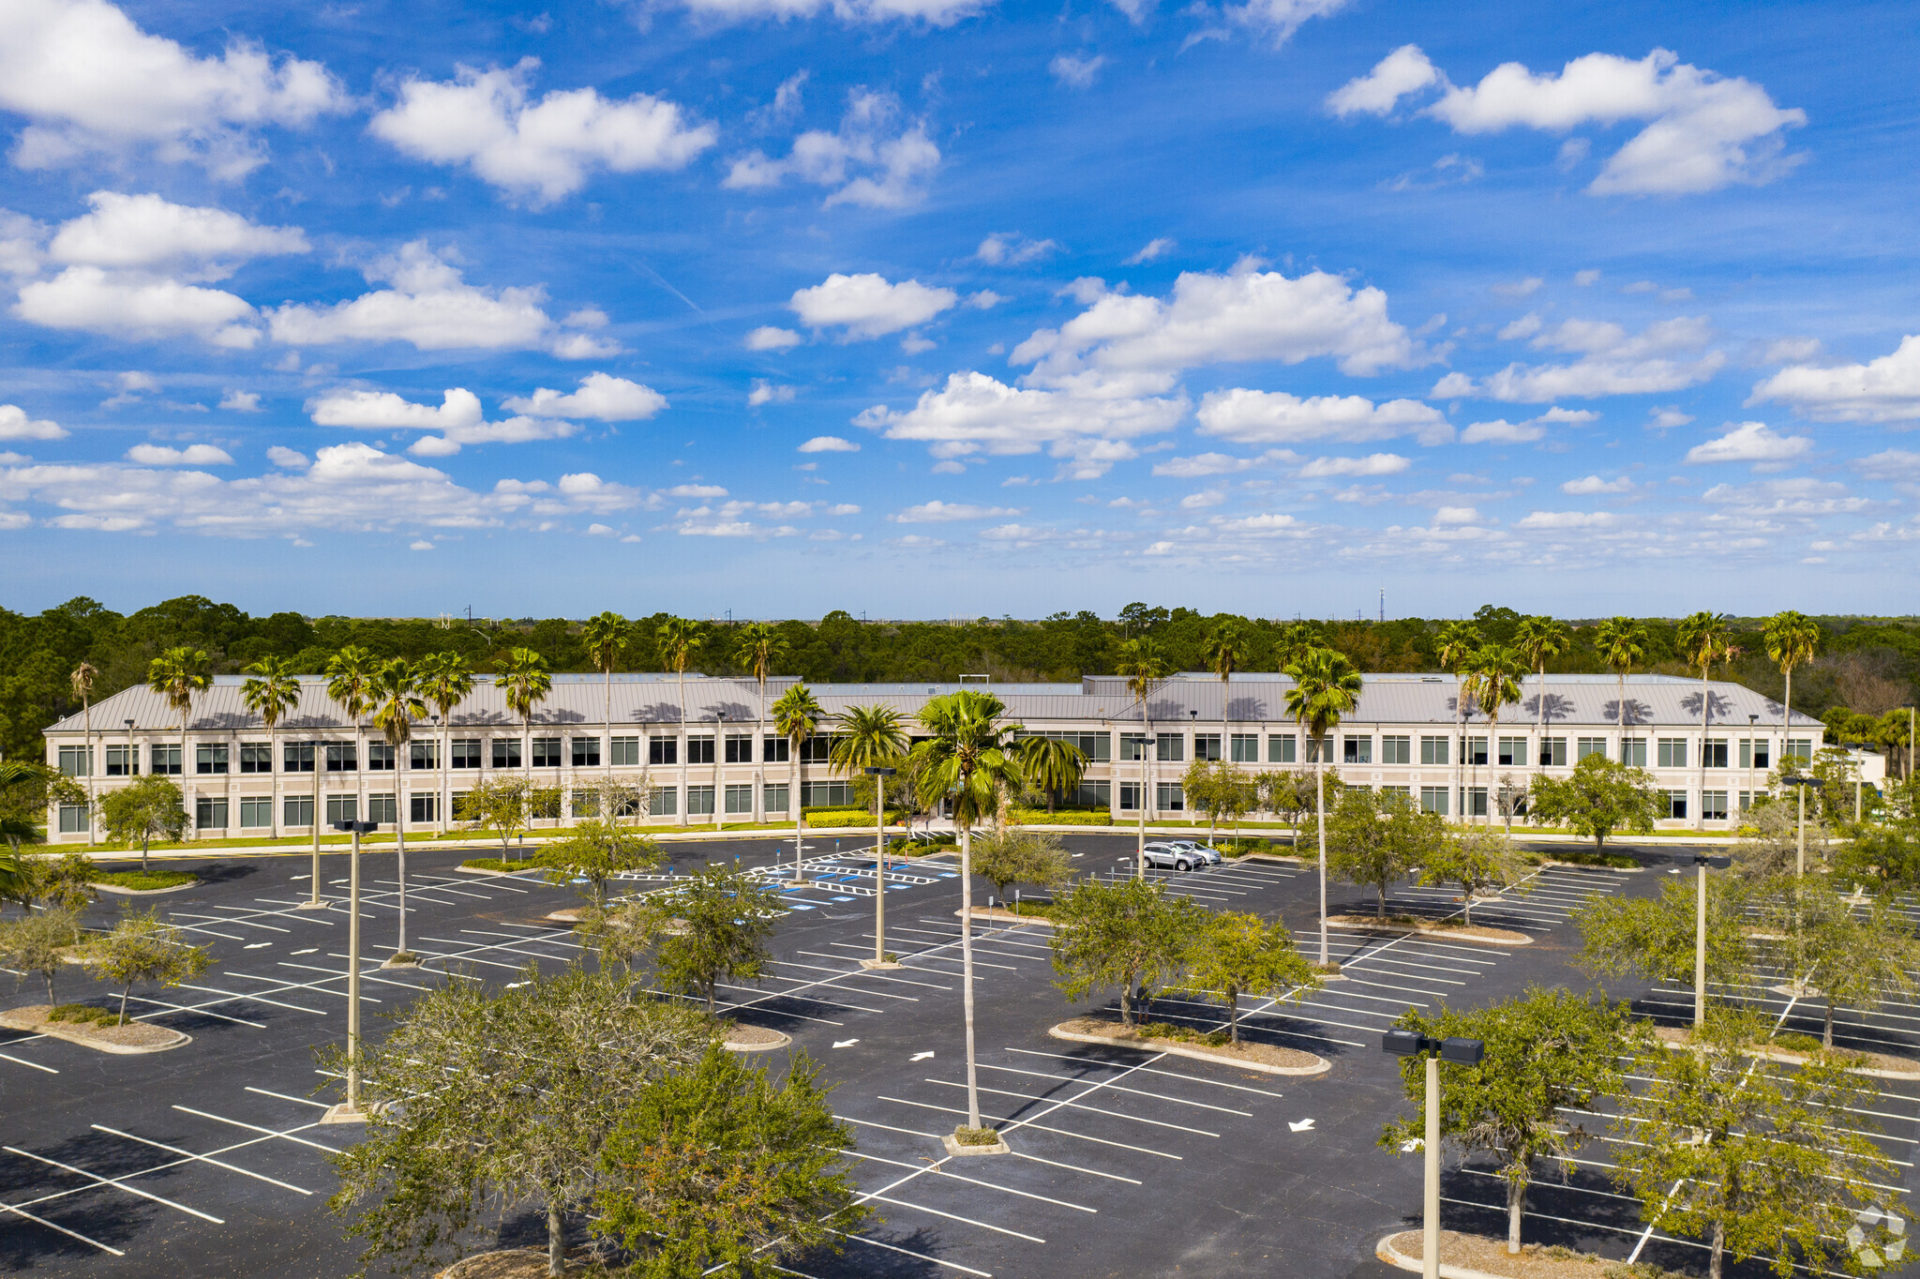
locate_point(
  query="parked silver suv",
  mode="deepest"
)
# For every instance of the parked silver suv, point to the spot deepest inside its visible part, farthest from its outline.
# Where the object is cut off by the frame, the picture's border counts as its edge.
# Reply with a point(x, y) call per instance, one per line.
point(1183, 855)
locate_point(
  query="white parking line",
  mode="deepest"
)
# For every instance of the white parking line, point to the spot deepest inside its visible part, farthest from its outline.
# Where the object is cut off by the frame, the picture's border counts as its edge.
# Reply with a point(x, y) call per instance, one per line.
point(116, 1183)
point(207, 1159)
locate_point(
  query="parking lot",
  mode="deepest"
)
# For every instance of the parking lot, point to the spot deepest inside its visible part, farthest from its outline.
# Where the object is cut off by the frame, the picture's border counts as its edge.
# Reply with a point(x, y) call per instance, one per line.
point(209, 1159)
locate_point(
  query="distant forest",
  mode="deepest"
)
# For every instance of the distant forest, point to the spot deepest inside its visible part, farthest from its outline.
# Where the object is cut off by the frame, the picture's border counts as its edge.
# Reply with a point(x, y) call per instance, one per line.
point(1869, 665)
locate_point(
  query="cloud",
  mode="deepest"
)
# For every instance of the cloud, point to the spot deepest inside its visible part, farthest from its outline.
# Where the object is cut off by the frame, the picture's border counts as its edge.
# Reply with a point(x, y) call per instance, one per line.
point(1519, 288)
point(1586, 278)
point(240, 401)
point(1613, 361)
point(420, 545)
point(1702, 131)
point(1751, 442)
point(1456, 515)
point(192, 455)
point(1502, 432)
point(1900, 464)
point(1010, 248)
point(1521, 329)
point(1452, 169)
point(1452, 386)
point(539, 150)
point(1202, 465)
point(874, 159)
point(431, 307)
point(829, 444)
point(1566, 520)
point(89, 79)
point(765, 392)
point(769, 338)
point(1666, 418)
point(1770, 500)
point(1244, 315)
point(867, 306)
point(1882, 390)
point(938, 512)
point(1076, 70)
point(696, 491)
point(1791, 351)
point(1372, 464)
point(16, 425)
point(1277, 20)
point(1275, 417)
point(600, 396)
point(1593, 485)
point(145, 231)
point(1158, 247)
point(124, 305)
point(933, 13)
point(383, 410)
point(291, 459)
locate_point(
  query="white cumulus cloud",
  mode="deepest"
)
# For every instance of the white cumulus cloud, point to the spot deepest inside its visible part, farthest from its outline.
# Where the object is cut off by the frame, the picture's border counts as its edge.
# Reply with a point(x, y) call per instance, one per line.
point(1751, 442)
point(829, 444)
point(600, 396)
point(1592, 485)
point(192, 455)
point(1612, 361)
point(146, 231)
point(875, 158)
point(16, 425)
point(1882, 390)
point(868, 306)
point(1372, 464)
point(769, 337)
point(939, 512)
point(1276, 417)
point(130, 305)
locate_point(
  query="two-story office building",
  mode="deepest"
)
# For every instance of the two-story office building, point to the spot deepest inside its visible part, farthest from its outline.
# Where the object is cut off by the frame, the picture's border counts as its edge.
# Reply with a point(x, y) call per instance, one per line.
point(702, 749)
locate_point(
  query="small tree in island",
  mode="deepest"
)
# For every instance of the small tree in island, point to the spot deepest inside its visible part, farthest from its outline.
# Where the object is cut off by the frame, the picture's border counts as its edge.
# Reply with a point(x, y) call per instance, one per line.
point(1016, 856)
point(1598, 798)
point(1128, 934)
point(1235, 953)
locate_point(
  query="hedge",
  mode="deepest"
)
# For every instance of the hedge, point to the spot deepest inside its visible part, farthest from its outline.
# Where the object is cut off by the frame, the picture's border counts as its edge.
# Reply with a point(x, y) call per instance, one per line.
point(1041, 817)
point(840, 818)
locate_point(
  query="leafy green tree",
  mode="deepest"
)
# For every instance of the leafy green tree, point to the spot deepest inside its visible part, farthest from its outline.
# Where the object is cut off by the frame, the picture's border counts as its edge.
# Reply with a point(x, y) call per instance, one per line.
point(710, 927)
point(271, 690)
point(27, 790)
point(1014, 856)
point(482, 1096)
point(1235, 953)
point(1375, 839)
point(1052, 765)
point(1598, 798)
point(63, 883)
point(36, 944)
point(1770, 839)
point(505, 806)
point(1291, 796)
point(143, 947)
point(1620, 642)
point(1550, 1056)
point(596, 850)
point(1657, 937)
point(1129, 934)
point(1325, 687)
point(716, 1169)
point(141, 812)
point(1477, 860)
point(1751, 1159)
point(1885, 856)
point(1856, 955)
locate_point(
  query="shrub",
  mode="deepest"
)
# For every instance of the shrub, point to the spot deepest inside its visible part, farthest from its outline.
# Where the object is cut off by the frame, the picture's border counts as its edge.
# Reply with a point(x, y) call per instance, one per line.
point(840, 818)
point(494, 863)
point(145, 880)
point(83, 1014)
point(1041, 817)
point(975, 1136)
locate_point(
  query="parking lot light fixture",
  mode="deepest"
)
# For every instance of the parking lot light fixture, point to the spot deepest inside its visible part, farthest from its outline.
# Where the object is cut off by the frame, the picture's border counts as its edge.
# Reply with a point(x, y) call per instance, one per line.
point(1455, 1050)
point(1801, 781)
point(350, 1111)
point(1701, 861)
point(879, 776)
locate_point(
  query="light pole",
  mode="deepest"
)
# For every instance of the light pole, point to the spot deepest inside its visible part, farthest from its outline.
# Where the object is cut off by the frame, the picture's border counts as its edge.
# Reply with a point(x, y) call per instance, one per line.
point(1801, 782)
point(1753, 725)
point(1701, 861)
point(349, 1111)
point(879, 960)
point(1460, 1052)
point(1859, 779)
point(719, 753)
point(314, 901)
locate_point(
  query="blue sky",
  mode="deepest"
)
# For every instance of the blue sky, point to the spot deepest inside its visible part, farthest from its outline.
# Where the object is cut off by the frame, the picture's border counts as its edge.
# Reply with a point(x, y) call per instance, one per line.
point(948, 307)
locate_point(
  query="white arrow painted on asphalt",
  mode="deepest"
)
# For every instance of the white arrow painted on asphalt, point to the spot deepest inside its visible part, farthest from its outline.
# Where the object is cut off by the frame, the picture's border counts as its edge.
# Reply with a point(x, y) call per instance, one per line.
point(921, 1056)
point(1302, 1126)
point(845, 1043)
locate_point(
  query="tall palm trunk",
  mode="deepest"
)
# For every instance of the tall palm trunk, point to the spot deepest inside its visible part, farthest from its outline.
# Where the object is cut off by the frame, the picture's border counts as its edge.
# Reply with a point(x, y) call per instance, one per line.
point(966, 966)
point(759, 749)
point(799, 813)
point(1493, 744)
point(1459, 738)
point(443, 776)
point(1320, 813)
point(607, 795)
point(1146, 786)
point(686, 744)
point(1706, 705)
point(400, 839)
point(1786, 720)
point(86, 715)
point(186, 771)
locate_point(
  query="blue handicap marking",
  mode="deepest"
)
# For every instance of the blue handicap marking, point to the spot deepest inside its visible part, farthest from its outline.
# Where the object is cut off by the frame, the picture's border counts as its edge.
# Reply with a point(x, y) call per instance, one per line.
point(948, 875)
point(799, 906)
point(843, 899)
point(898, 888)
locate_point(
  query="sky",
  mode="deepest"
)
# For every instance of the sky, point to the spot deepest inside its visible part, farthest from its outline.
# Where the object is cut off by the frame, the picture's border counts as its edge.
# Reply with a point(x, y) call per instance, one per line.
point(932, 308)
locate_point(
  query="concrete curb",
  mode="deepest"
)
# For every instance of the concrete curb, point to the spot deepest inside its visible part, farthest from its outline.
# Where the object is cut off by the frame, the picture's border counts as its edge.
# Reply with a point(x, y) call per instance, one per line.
point(735, 1046)
point(1007, 916)
point(1385, 1251)
point(959, 1151)
point(58, 1030)
point(1176, 1049)
point(1449, 934)
point(118, 891)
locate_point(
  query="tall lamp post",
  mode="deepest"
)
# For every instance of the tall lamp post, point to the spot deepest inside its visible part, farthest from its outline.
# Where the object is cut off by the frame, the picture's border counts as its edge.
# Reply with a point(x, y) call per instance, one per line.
point(1701, 861)
point(1800, 781)
point(1753, 752)
point(1460, 1052)
point(719, 753)
point(879, 960)
point(349, 1111)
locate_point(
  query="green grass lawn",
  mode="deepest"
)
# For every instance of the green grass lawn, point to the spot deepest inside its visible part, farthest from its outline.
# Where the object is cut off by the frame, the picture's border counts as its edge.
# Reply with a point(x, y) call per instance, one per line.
point(145, 880)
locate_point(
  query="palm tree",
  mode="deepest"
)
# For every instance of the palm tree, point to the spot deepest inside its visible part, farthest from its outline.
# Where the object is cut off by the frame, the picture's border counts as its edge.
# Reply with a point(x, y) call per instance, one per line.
point(607, 636)
point(396, 704)
point(271, 690)
point(1621, 641)
point(872, 737)
point(1495, 682)
point(350, 683)
point(524, 681)
point(83, 679)
point(1226, 649)
point(445, 680)
point(1052, 764)
point(1539, 640)
point(967, 763)
point(1144, 665)
point(797, 717)
point(1704, 640)
point(759, 647)
point(1325, 687)
point(1294, 640)
point(178, 675)
point(678, 638)
point(1791, 639)
point(1456, 645)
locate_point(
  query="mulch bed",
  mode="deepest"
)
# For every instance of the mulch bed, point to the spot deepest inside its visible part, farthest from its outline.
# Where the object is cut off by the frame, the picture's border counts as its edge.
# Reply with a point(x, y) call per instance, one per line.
point(1871, 1063)
point(1438, 927)
point(994, 912)
point(1245, 1052)
point(1490, 1256)
point(135, 1035)
point(742, 1036)
point(508, 1263)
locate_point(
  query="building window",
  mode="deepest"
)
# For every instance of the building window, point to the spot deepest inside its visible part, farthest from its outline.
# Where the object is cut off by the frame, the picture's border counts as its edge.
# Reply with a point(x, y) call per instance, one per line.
point(774, 797)
point(464, 752)
point(1756, 752)
point(423, 808)
point(1746, 801)
point(1320, 747)
point(740, 798)
point(1433, 750)
point(73, 819)
point(1513, 751)
point(1396, 750)
point(1473, 801)
point(546, 752)
point(164, 760)
point(210, 759)
point(1357, 750)
point(296, 810)
point(1245, 748)
point(122, 761)
point(297, 757)
point(663, 750)
point(506, 752)
point(423, 755)
point(1586, 746)
point(699, 801)
point(817, 749)
point(1133, 747)
point(776, 750)
point(664, 801)
point(739, 749)
point(382, 809)
point(1553, 752)
point(1800, 749)
point(699, 751)
point(210, 812)
point(1169, 797)
point(342, 758)
point(625, 752)
point(342, 808)
point(1633, 752)
point(546, 803)
point(1713, 752)
point(1473, 750)
point(826, 794)
point(1206, 746)
point(1129, 797)
point(1397, 792)
point(1433, 799)
point(256, 811)
point(585, 804)
point(380, 757)
point(586, 752)
point(1169, 748)
point(1673, 752)
point(75, 761)
point(1092, 795)
point(1677, 804)
point(1713, 805)
point(256, 757)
